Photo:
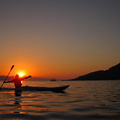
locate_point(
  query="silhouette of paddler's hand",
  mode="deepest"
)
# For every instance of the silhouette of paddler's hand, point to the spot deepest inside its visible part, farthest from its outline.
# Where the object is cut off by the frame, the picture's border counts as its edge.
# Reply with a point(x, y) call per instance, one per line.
point(30, 76)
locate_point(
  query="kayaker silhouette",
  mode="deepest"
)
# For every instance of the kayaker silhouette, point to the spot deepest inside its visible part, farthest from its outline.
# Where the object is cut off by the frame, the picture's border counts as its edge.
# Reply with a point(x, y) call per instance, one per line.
point(18, 83)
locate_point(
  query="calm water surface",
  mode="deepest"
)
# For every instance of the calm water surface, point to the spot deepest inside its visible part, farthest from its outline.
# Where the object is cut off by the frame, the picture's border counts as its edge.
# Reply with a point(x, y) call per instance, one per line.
point(85, 100)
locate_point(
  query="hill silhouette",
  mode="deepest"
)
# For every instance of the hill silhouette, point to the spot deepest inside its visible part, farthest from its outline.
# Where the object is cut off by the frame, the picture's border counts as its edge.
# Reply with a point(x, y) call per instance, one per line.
point(112, 73)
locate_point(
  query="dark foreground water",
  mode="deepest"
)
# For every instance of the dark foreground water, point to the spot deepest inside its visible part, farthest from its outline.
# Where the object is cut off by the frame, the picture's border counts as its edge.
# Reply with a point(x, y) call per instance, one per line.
point(83, 100)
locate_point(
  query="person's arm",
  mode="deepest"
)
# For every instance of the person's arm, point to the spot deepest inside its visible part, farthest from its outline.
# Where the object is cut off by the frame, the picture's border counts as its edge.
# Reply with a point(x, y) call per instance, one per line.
point(26, 77)
point(9, 81)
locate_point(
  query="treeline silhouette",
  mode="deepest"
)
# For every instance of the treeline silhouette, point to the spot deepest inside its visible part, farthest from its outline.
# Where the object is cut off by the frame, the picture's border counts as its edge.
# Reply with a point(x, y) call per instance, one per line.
point(112, 73)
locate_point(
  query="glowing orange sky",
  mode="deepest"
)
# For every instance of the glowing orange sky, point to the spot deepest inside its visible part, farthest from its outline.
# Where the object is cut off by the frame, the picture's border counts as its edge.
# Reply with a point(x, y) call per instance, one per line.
point(59, 39)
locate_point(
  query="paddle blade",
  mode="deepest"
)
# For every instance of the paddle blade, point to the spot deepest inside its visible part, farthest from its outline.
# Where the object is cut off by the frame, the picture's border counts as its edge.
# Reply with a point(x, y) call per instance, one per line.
point(12, 67)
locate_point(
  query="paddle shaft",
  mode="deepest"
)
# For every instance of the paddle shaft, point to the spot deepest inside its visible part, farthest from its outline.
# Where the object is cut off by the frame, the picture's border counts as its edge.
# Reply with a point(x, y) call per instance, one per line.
point(6, 77)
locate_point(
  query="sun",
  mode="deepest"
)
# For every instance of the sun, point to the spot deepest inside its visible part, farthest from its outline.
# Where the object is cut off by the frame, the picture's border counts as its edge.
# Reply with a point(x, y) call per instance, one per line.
point(21, 74)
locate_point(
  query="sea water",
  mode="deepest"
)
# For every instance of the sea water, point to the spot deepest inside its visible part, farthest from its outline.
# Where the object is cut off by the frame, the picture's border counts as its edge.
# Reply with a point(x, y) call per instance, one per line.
point(85, 100)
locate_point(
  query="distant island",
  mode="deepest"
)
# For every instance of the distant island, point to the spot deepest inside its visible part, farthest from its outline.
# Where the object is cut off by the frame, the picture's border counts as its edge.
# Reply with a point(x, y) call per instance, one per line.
point(112, 73)
point(2, 77)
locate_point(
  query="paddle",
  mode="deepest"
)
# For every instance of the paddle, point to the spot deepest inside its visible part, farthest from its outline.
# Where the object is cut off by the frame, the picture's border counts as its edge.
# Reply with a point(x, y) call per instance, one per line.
point(7, 76)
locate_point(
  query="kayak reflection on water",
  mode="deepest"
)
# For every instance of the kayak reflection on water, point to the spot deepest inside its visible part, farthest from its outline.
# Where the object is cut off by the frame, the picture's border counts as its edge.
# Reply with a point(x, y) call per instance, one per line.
point(18, 84)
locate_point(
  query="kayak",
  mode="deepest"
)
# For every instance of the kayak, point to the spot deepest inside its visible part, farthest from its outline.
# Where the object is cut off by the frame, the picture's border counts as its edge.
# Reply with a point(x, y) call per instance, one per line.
point(30, 88)
point(61, 88)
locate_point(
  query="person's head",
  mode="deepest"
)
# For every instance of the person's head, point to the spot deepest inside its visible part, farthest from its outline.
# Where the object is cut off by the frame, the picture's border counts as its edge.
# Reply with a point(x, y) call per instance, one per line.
point(17, 76)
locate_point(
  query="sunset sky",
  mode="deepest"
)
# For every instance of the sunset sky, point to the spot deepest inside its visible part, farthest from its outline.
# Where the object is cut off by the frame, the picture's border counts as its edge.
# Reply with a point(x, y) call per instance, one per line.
point(59, 39)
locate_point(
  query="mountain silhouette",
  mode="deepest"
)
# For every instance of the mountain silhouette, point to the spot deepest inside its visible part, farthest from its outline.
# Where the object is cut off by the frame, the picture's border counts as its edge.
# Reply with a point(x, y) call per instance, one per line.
point(112, 73)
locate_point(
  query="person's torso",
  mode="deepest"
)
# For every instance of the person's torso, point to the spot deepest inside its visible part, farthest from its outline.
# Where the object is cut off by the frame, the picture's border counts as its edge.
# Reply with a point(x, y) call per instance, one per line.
point(17, 82)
